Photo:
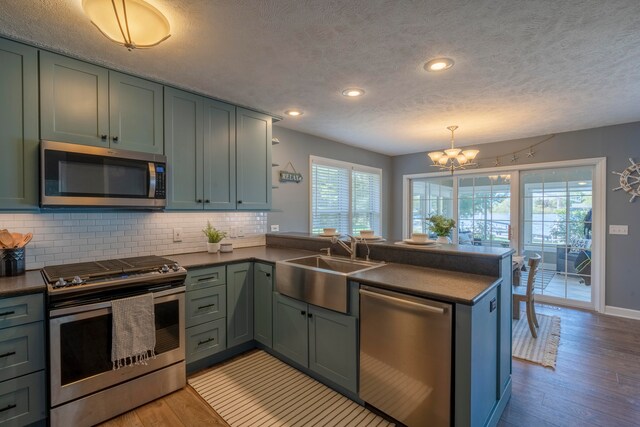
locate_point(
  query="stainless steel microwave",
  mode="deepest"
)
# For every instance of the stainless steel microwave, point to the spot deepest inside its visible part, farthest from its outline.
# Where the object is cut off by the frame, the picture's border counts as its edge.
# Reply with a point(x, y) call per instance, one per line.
point(82, 175)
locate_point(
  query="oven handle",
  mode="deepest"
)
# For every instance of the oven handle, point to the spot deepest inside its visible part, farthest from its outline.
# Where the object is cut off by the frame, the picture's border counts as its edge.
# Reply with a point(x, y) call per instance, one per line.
point(107, 304)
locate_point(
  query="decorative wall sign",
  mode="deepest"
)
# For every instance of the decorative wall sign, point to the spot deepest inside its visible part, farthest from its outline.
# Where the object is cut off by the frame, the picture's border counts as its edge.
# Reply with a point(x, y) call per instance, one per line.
point(630, 180)
point(290, 176)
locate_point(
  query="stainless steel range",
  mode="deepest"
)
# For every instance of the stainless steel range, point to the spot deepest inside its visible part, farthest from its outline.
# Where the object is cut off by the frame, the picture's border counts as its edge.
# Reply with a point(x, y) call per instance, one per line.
point(85, 389)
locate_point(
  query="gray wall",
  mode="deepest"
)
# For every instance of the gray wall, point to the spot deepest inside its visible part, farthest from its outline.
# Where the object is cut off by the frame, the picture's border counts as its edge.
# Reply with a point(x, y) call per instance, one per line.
point(291, 200)
point(617, 144)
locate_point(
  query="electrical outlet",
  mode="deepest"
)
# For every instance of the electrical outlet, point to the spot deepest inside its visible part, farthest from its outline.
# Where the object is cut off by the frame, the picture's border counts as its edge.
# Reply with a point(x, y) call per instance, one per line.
point(619, 229)
point(275, 227)
point(177, 234)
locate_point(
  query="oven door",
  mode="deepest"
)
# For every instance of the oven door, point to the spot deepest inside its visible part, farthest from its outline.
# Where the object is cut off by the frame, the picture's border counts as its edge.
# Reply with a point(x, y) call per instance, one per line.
point(80, 346)
point(78, 175)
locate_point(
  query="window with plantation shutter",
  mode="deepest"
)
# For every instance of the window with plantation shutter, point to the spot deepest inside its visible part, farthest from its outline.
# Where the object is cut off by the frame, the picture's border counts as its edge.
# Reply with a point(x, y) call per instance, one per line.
point(345, 196)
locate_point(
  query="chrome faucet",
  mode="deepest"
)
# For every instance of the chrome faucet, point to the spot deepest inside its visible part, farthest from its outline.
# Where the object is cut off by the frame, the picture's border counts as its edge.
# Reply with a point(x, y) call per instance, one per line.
point(352, 250)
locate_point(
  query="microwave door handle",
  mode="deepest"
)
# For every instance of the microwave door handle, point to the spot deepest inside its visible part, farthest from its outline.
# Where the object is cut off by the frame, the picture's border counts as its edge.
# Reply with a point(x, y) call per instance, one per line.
point(152, 180)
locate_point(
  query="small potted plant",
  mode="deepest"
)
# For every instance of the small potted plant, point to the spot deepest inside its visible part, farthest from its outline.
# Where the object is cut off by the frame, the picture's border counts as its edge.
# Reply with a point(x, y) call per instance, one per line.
point(441, 226)
point(213, 238)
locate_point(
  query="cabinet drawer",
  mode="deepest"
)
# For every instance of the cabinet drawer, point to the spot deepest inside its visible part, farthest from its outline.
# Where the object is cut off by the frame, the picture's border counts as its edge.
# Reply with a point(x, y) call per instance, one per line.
point(21, 350)
point(22, 400)
point(21, 309)
point(206, 339)
point(206, 277)
point(205, 305)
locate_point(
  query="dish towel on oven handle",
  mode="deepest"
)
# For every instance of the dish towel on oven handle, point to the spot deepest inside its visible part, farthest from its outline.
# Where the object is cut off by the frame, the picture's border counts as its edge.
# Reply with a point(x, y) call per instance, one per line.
point(133, 332)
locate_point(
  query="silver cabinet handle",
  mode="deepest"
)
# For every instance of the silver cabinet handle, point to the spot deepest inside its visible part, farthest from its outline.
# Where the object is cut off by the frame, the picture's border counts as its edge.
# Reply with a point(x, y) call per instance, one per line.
point(403, 301)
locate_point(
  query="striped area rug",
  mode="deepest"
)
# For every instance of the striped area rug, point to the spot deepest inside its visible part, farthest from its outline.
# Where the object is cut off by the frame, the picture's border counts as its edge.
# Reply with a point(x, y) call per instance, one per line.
point(260, 390)
point(542, 350)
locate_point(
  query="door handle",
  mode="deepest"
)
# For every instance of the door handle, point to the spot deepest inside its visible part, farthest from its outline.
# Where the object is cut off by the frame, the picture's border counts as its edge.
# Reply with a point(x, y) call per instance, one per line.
point(424, 307)
point(115, 139)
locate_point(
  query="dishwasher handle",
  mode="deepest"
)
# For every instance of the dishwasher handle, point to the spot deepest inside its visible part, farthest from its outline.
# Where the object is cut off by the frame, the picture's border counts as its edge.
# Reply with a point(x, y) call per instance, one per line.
point(385, 297)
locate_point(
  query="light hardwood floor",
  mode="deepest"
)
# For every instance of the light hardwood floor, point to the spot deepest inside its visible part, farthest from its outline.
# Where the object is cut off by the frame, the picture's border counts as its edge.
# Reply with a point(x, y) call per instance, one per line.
point(596, 382)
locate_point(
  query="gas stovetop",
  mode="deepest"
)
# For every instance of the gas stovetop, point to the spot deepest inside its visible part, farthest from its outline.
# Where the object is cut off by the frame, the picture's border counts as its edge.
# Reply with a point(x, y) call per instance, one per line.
point(111, 275)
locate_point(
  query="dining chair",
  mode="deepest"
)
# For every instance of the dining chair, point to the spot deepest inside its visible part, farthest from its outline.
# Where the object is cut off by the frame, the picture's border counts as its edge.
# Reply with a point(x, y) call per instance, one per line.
point(528, 296)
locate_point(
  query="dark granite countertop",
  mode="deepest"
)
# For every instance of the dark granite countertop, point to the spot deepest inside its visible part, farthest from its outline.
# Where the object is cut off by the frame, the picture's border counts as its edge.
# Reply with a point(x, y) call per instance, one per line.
point(435, 283)
point(444, 285)
point(29, 283)
point(451, 249)
point(451, 286)
point(257, 253)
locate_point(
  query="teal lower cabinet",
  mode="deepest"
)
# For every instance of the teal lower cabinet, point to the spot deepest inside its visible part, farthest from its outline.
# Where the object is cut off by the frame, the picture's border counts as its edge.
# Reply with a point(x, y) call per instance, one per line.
point(333, 346)
point(262, 303)
point(205, 340)
point(205, 312)
point(290, 330)
point(322, 340)
point(239, 304)
point(22, 364)
point(477, 380)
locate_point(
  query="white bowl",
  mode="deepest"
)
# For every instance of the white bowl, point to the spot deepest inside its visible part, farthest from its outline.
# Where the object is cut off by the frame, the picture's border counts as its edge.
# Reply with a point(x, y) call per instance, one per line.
point(366, 233)
point(419, 237)
point(329, 230)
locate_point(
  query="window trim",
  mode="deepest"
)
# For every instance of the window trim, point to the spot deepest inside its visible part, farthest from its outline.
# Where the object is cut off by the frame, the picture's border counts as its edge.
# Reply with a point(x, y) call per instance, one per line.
point(599, 232)
point(352, 167)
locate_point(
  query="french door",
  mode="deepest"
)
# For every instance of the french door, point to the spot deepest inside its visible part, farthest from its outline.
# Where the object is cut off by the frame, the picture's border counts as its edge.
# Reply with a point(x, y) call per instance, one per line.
point(480, 204)
point(550, 211)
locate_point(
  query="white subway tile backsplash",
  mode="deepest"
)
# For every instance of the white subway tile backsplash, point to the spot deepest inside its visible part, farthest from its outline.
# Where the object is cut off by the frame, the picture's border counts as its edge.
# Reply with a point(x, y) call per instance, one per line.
point(64, 238)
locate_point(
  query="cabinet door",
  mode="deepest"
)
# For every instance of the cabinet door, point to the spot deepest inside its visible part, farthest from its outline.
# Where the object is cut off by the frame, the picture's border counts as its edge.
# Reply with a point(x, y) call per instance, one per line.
point(290, 333)
point(74, 101)
point(18, 126)
point(219, 155)
point(333, 346)
point(239, 304)
point(253, 150)
point(135, 119)
point(183, 148)
point(262, 303)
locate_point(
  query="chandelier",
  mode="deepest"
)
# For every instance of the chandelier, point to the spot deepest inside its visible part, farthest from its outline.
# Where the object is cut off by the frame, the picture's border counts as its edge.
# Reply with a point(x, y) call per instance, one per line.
point(134, 24)
point(453, 158)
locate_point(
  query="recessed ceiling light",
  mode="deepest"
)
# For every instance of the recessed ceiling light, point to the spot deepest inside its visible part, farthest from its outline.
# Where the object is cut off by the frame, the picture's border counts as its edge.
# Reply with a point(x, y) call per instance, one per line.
point(353, 92)
point(439, 64)
point(294, 112)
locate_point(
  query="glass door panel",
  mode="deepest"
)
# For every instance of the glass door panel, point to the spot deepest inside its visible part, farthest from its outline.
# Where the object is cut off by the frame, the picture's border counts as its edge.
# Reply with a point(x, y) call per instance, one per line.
point(484, 210)
point(430, 196)
point(556, 223)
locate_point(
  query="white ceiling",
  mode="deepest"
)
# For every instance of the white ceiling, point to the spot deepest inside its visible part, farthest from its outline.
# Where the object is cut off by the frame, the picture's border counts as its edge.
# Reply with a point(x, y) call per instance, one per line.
point(522, 67)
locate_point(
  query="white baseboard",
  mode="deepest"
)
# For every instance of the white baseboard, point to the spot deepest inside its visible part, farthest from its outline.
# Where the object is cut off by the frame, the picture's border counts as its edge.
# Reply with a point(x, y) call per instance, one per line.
point(622, 312)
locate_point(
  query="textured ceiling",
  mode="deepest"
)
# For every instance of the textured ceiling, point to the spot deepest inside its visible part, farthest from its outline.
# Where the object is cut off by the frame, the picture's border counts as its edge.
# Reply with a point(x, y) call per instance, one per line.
point(522, 67)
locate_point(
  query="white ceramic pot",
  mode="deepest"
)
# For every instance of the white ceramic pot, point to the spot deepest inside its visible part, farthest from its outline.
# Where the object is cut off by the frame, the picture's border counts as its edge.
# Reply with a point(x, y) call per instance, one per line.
point(212, 248)
point(443, 239)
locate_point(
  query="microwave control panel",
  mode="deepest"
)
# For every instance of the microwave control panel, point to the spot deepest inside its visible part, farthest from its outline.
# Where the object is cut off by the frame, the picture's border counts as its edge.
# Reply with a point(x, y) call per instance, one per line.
point(161, 181)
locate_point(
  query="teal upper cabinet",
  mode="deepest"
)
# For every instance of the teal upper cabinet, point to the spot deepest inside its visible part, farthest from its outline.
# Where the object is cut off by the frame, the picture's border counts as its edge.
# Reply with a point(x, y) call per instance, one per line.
point(86, 104)
point(200, 149)
point(183, 148)
point(135, 119)
point(74, 101)
point(253, 150)
point(219, 155)
point(18, 126)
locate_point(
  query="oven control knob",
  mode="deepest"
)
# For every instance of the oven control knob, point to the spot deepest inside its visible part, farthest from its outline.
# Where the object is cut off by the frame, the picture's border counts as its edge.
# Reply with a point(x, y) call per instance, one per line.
point(165, 268)
point(61, 283)
point(77, 281)
point(176, 266)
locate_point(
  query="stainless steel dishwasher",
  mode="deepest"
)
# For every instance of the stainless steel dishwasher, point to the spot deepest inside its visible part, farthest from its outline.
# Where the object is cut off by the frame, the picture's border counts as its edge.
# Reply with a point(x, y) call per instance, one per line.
point(405, 356)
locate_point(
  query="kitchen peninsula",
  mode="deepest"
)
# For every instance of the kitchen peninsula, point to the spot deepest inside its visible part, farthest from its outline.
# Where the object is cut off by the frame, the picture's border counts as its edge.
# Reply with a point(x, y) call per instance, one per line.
point(481, 344)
